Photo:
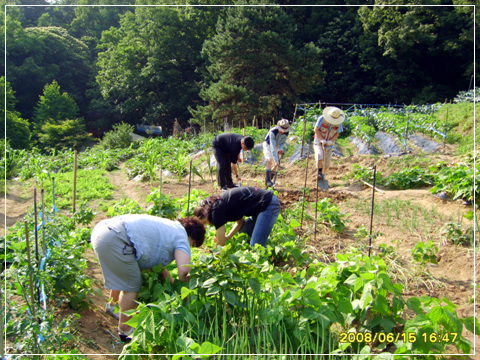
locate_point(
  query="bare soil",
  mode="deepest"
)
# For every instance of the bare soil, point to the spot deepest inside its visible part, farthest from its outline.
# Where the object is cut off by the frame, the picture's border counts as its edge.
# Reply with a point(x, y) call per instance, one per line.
point(452, 278)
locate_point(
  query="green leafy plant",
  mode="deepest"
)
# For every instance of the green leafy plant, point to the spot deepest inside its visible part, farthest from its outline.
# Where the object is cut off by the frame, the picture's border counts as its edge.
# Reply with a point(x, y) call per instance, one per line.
point(120, 137)
point(454, 233)
point(329, 213)
point(409, 178)
point(423, 253)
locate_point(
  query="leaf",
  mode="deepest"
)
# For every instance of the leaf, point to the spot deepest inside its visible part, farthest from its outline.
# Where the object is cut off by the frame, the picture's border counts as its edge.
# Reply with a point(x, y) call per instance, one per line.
point(415, 304)
point(209, 282)
point(231, 297)
point(311, 297)
point(294, 223)
point(185, 292)
point(255, 285)
point(209, 348)
point(472, 325)
point(381, 304)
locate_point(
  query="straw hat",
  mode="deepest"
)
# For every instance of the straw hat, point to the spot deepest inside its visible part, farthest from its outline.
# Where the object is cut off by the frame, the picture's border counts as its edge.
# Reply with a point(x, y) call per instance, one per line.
point(284, 124)
point(333, 115)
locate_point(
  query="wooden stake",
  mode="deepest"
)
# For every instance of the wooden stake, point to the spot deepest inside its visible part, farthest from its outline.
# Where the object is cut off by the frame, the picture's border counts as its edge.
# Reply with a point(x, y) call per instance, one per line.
point(74, 179)
point(36, 223)
point(304, 191)
point(371, 213)
point(376, 189)
point(189, 187)
point(43, 223)
point(29, 269)
point(161, 183)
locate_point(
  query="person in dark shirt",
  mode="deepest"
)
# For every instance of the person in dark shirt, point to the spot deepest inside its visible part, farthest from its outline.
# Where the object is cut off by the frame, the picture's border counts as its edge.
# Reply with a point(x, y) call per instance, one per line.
point(261, 206)
point(225, 147)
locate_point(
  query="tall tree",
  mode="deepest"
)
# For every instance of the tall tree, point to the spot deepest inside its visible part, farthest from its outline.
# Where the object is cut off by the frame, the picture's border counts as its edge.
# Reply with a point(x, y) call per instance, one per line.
point(149, 67)
point(18, 132)
point(418, 45)
point(36, 56)
point(255, 66)
point(56, 120)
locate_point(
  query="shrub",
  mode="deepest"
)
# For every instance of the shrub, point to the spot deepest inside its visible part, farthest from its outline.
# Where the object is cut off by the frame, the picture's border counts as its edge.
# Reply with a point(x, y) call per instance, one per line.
point(118, 138)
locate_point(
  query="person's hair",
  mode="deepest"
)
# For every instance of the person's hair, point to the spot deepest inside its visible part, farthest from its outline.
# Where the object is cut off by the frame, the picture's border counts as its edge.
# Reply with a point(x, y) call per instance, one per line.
point(248, 142)
point(194, 228)
point(204, 209)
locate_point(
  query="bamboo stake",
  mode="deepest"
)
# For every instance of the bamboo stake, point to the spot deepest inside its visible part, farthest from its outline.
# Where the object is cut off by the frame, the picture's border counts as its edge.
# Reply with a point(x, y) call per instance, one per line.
point(36, 223)
point(303, 136)
point(161, 183)
point(30, 269)
point(189, 187)
point(43, 223)
point(316, 211)
point(371, 213)
point(74, 178)
point(2, 341)
point(304, 190)
point(372, 186)
point(295, 113)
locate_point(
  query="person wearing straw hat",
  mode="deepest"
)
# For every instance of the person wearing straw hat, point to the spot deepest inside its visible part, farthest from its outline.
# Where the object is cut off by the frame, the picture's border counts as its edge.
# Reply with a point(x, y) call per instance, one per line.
point(327, 129)
point(273, 148)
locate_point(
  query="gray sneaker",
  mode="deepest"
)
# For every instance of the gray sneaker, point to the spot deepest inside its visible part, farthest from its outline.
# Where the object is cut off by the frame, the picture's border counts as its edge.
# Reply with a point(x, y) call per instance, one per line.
point(110, 310)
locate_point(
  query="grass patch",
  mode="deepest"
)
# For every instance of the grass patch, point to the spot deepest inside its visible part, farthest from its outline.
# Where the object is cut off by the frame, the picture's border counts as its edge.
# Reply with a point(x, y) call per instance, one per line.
point(91, 185)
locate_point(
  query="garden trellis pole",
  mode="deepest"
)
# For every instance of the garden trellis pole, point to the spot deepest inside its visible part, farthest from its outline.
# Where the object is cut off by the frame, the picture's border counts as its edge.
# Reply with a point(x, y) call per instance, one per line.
point(189, 187)
point(303, 136)
point(305, 189)
point(74, 178)
point(161, 183)
point(371, 213)
point(2, 340)
point(44, 243)
point(29, 269)
point(36, 223)
point(316, 211)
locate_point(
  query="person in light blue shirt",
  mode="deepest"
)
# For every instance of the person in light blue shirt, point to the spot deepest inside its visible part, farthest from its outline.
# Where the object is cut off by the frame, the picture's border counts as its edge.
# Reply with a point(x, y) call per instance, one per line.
point(127, 244)
point(273, 148)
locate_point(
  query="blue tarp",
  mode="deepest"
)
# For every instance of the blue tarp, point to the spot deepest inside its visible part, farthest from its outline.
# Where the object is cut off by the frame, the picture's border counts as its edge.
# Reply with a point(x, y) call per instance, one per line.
point(149, 129)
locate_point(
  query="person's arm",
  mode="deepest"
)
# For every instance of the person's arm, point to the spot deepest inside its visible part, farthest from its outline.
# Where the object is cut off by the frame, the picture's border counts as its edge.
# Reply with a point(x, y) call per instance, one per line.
point(182, 258)
point(236, 228)
point(165, 274)
point(221, 239)
point(273, 146)
point(318, 135)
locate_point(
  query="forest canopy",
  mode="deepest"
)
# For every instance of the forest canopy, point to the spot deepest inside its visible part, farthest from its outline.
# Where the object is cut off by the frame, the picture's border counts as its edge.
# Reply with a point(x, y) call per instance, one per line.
point(202, 65)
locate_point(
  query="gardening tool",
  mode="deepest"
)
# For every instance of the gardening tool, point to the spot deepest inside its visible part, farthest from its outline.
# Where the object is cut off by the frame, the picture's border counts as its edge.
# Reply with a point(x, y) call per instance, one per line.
point(322, 183)
point(276, 171)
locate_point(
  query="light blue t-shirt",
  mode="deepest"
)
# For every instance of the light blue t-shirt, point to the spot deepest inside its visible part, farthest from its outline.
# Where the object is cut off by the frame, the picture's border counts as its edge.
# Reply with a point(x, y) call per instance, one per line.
point(155, 239)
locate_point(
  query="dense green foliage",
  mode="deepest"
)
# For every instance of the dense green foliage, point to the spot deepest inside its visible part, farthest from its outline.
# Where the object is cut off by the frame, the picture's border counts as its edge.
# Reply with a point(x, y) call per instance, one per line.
point(205, 65)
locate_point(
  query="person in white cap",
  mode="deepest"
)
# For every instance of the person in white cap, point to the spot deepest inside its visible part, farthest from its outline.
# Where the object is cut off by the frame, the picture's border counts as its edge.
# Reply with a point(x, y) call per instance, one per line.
point(273, 148)
point(327, 129)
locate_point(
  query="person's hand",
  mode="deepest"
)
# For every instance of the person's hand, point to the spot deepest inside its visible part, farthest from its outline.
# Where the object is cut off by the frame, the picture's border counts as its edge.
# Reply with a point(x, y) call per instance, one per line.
point(238, 178)
point(323, 141)
point(329, 143)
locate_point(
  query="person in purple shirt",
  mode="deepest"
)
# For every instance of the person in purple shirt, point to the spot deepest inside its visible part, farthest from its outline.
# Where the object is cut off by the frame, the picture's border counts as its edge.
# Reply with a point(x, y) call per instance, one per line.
point(225, 147)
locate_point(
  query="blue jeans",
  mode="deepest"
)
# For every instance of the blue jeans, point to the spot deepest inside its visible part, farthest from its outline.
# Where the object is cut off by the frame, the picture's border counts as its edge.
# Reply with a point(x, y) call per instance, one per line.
point(260, 228)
